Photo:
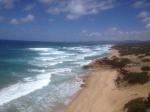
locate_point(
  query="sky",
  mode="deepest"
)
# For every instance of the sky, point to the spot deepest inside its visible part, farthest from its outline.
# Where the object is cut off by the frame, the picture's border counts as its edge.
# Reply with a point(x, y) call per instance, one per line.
point(75, 20)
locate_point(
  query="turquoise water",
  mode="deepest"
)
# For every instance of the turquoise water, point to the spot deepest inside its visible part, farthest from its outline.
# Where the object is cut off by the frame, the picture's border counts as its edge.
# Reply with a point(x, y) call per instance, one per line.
point(36, 76)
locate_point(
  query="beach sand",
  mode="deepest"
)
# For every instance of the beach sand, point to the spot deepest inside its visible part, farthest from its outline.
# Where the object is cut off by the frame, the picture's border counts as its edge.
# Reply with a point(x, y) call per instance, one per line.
point(100, 93)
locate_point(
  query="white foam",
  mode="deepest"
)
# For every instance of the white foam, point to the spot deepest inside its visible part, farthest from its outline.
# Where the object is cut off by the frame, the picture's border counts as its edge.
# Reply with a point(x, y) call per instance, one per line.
point(45, 54)
point(23, 88)
point(41, 49)
point(60, 71)
point(54, 63)
point(69, 89)
point(44, 64)
point(81, 49)
point(57, 52)
point(36, 70)
point(82, 63)
point(52, 52)
point(45, 58)
point(82, 56)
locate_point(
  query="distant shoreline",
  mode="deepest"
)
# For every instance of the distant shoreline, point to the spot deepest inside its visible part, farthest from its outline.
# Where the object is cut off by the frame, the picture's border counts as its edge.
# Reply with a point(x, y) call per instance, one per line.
point(78, 42)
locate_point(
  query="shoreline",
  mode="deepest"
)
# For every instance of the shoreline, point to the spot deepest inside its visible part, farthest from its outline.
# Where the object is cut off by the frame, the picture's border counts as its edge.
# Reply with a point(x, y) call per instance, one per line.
point(90, 78)
point(101, 94)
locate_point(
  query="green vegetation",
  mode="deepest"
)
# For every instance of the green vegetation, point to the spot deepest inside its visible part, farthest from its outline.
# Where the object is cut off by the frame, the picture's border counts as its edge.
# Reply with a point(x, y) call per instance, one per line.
point(146, 60)
point(141, 56)
point(136, 105)
point(136, 78)
point(134, 49)
point(117, 63)
point(142, 51)
point(125, 60)
point(145, 68)
point(147, 101)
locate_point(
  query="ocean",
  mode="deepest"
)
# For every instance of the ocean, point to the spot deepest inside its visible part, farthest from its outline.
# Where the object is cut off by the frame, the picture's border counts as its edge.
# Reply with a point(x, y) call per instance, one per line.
point(38, 76)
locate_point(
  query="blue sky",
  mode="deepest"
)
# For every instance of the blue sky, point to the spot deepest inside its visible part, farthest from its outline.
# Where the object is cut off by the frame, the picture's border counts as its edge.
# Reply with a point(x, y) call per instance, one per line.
point(75, 20)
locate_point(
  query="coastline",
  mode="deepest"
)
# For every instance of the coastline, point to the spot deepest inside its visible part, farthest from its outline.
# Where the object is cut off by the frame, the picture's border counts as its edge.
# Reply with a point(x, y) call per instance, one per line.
point(100, 92)
point(88, 99)
point(53, 71)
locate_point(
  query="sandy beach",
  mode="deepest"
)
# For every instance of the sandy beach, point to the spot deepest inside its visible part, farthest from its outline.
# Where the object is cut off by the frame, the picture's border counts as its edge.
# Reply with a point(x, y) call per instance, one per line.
point(101, 94)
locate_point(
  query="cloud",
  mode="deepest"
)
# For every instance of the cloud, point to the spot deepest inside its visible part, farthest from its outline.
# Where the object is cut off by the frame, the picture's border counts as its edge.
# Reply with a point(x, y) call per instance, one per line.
point(55, 10)
point(2, 19)
point(84, 31)
point(27, 19)
point(74, 9)
point(95, 34)
point(51, 20)
point(46, 1)
point(92, 34)
point(117, 34)
point(29, 7)
point(8, 4)
point(145, 18)
point(14, 21)
point(148, 25)
point(143, 14)
point(141, 4)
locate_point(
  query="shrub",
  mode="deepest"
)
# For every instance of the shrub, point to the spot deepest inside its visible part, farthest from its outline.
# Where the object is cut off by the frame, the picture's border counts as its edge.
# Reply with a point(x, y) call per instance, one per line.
point(136, 78)
point(141, 56)
point(147, 101)
point(136, 105)
point(125, 60)
point(120, 63)
point(145, 68)
point(146, 60)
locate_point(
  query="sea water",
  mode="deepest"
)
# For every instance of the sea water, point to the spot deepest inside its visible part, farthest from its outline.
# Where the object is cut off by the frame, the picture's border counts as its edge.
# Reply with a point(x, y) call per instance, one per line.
point(37, 76)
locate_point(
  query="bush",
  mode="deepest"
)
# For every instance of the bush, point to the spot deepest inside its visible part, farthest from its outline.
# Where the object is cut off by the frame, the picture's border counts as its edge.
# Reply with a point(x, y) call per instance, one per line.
point(120, 63)
point(147, 101)
point(136, 105)
point(136, 78)
point(141, 56)
point(125, 60)
point(145, 68)
point(146, 60)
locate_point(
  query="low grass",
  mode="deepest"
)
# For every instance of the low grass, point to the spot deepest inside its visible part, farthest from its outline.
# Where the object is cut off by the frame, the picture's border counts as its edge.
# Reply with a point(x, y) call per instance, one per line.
point(136, 78)
point(145, 68)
